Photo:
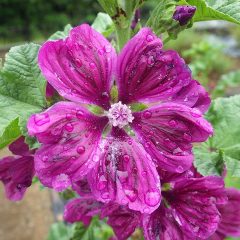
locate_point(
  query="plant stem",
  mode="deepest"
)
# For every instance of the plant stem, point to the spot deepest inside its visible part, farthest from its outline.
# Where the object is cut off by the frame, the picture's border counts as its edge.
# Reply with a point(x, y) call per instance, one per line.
point(123, 35)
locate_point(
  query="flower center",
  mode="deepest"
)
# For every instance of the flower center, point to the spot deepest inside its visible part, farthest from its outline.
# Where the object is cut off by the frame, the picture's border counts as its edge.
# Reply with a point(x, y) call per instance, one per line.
point(120, 115)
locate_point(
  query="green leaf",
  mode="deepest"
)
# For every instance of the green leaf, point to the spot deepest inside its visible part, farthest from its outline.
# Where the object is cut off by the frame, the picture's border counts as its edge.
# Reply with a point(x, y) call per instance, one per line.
point(224, 146)
point(97, 230)
point(60, 231)
point(229, 80)
point(228, 10)
point(22, 90)
point(61, 34)
point(103, 24)
point(10, 134)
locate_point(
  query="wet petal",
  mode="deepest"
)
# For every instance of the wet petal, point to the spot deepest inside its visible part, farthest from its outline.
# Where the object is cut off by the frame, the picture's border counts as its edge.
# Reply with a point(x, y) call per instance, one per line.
point(19, 147)
point(193, 95)
point(16, 173)
point(230, 214)
point(161, 225)
point(193, 205)
point(125, 174)
point(123, 220)
point(81, 209)
point(167, 132)
point(146, 73)
point(69, 135)
point(80, 67)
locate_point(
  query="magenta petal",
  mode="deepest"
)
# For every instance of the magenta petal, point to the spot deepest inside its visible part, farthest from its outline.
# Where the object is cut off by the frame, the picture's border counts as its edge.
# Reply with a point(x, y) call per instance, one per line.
point(193, 203)
point(82, 188)
point(81, 209)
point(125, 174)
point(217, 236)
point(19, 147)
point(70, 135)
point(123, 220)
point(146, 73)
point(167, 132)
point(161, 225)
point(193, 95)
point(80, 67)
point(230, 214)
point(16, 173)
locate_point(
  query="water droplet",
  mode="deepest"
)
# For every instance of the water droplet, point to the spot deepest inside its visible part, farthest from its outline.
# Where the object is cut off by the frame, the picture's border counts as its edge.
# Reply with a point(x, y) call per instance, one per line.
point(100, 51)
point(187, 137)
point(131, 194)
point(69, 127)
point(146, 210)
point(130, 142)
point(152, 198)
point(69, 116)
point(79, 114)
point(150, 60)
point(92, 65)
point(102, 183)
point(144, 173)
point(41, 119)
point(73, 158)
point(107, 49)
point(147, 144)
point(81, 149)
point(149, 38)
point(196, 229)
point(179, 169)
point(126, 158)
point(105, 95)
point(45, 158)
point(61, 182)
point(78, 62)
point(105, 195)
point(147, 114)
point(172, 123)
point(195, 113)
point(95, 158)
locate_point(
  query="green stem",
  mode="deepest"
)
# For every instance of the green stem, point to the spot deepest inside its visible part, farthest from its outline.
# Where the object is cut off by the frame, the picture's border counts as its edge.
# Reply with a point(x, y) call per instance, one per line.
point(123, 35)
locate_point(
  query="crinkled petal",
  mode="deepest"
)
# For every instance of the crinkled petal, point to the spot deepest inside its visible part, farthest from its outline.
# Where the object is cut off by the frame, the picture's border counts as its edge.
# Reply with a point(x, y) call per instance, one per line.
point(123, 220)
point(80, 67)
point(82, 188)
point(16, 173)
point(81, 209)
point(167, 132)
point(125, 174)
point(19, 147)
point(230, 214)
point(161, 225)
point(146, 73)
point(193, 205)
point(193, 95)
point(69, 135)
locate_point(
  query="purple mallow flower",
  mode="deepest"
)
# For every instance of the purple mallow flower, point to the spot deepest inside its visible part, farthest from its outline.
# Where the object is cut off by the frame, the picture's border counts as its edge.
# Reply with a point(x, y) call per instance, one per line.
point(184, 14)
point(189, 209)
point(117, 150)
point(16, 172)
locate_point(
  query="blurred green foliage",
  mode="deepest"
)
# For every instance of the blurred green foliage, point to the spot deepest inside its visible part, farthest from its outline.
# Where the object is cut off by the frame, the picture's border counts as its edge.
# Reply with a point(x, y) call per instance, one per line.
point(31, 19)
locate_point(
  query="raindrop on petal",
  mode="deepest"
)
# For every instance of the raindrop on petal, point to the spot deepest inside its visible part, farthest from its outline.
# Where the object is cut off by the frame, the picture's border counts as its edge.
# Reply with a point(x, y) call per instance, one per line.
point(81, 149)
point(147, 114)
point(69, 127)
point(41, 119)
point(61, 182)
point(152, 198)
point(149, 38)
point(131, 194)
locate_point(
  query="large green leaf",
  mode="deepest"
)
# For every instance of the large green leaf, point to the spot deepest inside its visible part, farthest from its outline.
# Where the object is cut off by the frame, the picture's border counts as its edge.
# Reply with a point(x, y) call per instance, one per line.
point(103, 24)
point(60, 231)
point(228, 10)
point(22, 91)
point(224, 146)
